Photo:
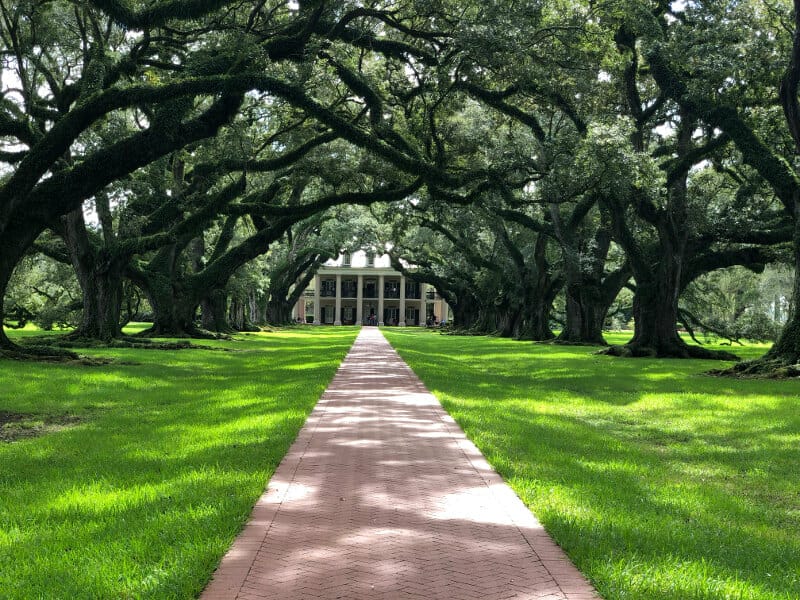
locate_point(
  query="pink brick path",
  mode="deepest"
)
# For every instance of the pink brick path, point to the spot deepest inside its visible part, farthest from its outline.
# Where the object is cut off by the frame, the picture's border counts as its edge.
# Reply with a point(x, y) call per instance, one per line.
point(382, 496)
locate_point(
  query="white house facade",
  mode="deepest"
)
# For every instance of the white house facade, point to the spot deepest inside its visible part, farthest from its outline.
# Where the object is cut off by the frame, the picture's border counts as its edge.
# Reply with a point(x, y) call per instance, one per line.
point(366, 290)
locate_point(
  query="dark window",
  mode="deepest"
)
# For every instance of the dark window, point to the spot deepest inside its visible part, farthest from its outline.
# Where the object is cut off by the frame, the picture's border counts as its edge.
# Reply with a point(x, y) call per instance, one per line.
point(412, 290)
point(349, 288)
point(328, 288)
point(391, 289)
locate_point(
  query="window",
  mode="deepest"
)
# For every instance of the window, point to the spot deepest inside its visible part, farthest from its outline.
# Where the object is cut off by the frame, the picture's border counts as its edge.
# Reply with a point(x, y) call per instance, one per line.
point(391, 289)
point(349, 288)
point(346, 259)
point(328, 288)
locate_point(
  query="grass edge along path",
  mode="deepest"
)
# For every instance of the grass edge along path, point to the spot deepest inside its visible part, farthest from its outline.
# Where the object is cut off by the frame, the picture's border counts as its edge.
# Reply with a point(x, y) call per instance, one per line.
point(660, 482)
point(142, 497)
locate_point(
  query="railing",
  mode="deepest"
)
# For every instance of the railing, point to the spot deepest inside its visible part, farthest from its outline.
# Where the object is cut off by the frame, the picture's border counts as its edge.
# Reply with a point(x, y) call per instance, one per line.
point(367, 295)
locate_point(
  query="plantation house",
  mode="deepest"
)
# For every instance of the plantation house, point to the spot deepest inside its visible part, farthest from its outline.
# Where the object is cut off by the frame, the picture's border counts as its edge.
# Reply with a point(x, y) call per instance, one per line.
point(364, 289)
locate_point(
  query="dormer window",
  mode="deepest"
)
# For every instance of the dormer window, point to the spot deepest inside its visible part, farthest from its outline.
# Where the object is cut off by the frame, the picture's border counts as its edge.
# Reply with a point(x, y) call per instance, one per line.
point(346, 259)
point(370, 260)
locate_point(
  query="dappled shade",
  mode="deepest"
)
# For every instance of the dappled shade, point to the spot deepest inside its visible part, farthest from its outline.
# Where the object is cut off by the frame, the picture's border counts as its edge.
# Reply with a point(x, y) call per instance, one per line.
point(382, 496)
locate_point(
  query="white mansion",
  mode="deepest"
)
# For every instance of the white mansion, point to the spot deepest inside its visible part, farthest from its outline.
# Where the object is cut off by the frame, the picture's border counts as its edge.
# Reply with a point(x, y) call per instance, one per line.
point(363, 289)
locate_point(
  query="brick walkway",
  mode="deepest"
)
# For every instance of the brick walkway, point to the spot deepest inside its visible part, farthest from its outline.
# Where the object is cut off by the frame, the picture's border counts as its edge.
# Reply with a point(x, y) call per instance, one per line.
point(382, 496)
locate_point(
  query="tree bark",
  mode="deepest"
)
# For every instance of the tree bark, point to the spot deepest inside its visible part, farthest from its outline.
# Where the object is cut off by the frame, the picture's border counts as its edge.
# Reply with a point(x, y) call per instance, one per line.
point(214, 312)
point(783, 359)
point(535, 325)
point(99, 273)
point(585, 315)
point(15, 242)
point(279, 312)
point(239, 315)
point(787, 348)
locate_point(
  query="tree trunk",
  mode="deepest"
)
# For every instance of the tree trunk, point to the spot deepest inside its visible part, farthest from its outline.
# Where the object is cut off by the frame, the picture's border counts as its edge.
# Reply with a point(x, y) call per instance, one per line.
point(465, 314)
point(252, 304)
point(214, 312)
point(535, 322)
point(535, 325)
point(783, 359)
point(655, 313)
point(15, 242)
point(586, 310)
point(239, 316)
point(99, 274)
point(787, 348)
point(279, 312)
point(173, 314)
point(584, 315)
point(102, 303)
point(658, 269)
point(508, 320)
point(280, 303)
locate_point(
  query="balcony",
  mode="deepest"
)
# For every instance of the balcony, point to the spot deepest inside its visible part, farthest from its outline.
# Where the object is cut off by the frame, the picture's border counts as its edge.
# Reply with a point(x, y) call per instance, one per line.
point(349, 289)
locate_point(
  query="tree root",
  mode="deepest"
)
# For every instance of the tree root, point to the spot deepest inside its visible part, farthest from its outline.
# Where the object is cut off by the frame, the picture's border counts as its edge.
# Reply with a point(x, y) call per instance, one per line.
point(40, 353)
point(633, 350)
point(578, 343)
point(764, 368)
point(195, 334)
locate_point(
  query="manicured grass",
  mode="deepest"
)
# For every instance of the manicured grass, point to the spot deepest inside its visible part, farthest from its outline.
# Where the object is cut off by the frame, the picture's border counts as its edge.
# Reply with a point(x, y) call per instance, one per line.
point(659, 481)
point(144, 494)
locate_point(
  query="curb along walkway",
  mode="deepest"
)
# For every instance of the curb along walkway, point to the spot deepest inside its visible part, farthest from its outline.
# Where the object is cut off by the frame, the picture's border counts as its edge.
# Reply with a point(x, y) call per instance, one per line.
point(382, 496)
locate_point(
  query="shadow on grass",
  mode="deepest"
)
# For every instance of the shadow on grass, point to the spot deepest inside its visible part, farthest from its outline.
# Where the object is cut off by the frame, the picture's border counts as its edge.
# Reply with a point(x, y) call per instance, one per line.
point(659, 481)
point(143, 497)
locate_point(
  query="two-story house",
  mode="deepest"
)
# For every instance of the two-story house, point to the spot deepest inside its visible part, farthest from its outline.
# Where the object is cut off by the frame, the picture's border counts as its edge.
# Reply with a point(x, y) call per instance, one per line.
point(364, 289)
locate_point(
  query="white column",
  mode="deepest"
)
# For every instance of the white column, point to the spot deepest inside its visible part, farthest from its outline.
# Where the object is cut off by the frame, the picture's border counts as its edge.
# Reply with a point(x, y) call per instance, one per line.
point(441, 310)
point(401, 318)
point(423, 303)
point(380, 300)
point(317, 285)
point(337, 319)
point(360, 301)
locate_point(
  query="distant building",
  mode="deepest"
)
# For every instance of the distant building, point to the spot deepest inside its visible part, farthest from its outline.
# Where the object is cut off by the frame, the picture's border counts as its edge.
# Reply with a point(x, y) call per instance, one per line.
point(364, 289)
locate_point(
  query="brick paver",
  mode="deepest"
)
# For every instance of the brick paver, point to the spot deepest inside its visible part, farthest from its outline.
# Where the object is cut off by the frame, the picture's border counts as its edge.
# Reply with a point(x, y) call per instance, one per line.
point(382, 496)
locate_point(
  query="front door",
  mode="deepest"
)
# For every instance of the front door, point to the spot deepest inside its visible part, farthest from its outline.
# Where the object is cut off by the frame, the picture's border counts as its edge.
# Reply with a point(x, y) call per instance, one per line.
point(391, 316)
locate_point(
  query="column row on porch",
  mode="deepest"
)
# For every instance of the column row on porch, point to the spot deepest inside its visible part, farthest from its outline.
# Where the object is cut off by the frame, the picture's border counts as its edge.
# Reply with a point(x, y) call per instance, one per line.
point(360, 300)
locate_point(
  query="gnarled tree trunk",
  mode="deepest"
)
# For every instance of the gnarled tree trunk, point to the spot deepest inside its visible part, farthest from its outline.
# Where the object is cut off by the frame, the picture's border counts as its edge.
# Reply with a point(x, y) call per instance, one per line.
point(99, 273)
point(15, 242)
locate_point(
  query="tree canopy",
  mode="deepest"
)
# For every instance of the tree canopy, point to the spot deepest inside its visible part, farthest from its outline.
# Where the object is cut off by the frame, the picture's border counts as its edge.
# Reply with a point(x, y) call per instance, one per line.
point(532, 159)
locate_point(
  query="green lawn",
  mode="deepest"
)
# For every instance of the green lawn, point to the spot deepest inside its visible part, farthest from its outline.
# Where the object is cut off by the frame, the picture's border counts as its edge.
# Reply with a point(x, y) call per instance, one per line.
point(660, 482)
point(147, 471)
